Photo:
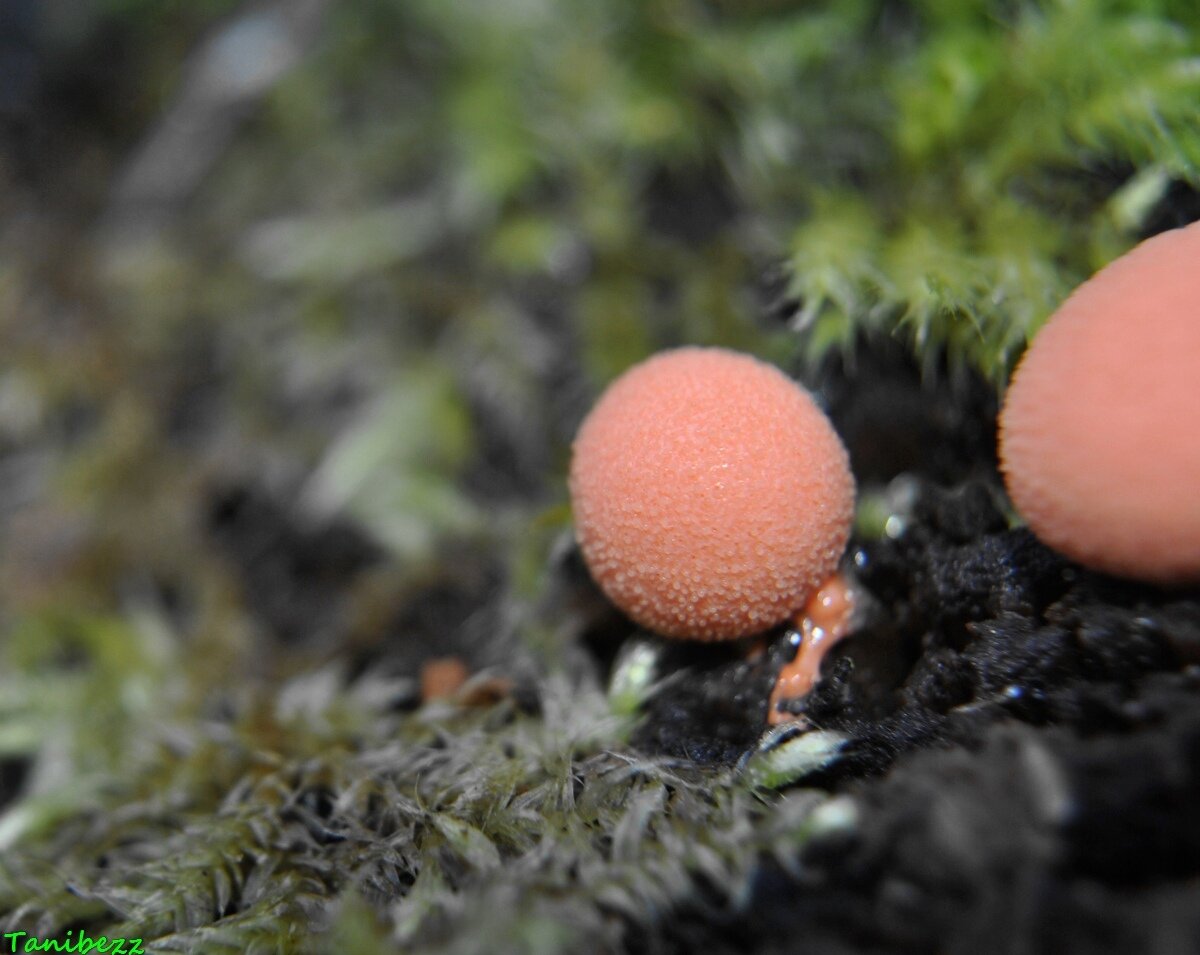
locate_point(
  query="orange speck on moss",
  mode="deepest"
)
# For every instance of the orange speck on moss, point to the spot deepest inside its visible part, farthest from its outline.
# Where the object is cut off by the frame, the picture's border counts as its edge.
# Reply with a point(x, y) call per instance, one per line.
point(441, 677)
point(711, 495)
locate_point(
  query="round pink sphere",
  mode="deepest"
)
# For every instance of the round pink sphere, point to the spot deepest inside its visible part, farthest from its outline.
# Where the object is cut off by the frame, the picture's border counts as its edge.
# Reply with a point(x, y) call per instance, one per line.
point(711, 495)
point(1100, 431)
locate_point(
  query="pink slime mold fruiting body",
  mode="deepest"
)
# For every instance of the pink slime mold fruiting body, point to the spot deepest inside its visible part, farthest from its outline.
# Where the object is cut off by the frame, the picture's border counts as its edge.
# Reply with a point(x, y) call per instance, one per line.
point(1100, 431)
point(711, 495)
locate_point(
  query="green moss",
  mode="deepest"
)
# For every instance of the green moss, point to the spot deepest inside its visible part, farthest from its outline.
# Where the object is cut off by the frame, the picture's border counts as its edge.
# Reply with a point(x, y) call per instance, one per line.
point(485, 827)
point(979, 213)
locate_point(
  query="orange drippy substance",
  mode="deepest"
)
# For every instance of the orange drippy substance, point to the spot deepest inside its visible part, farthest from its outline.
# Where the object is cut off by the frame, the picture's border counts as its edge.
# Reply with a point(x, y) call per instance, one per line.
point(826, 618)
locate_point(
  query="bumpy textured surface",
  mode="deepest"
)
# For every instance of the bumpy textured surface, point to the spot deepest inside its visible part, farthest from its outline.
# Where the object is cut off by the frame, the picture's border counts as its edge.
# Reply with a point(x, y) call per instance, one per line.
point(1100, 432)
point(711, 495)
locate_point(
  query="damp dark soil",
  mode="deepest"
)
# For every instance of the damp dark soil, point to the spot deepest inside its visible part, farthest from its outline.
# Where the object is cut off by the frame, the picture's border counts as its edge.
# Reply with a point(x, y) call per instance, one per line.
point(1024, 749)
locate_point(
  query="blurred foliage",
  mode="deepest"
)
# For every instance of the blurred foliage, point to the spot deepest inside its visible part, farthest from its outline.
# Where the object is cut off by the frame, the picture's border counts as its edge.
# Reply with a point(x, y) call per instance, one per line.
point(387, 470)
point(384, 301)
point(945, 171)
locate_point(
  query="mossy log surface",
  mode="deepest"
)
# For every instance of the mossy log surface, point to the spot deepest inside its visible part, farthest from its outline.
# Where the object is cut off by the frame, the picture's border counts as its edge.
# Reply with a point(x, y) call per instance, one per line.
point(300, 306)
